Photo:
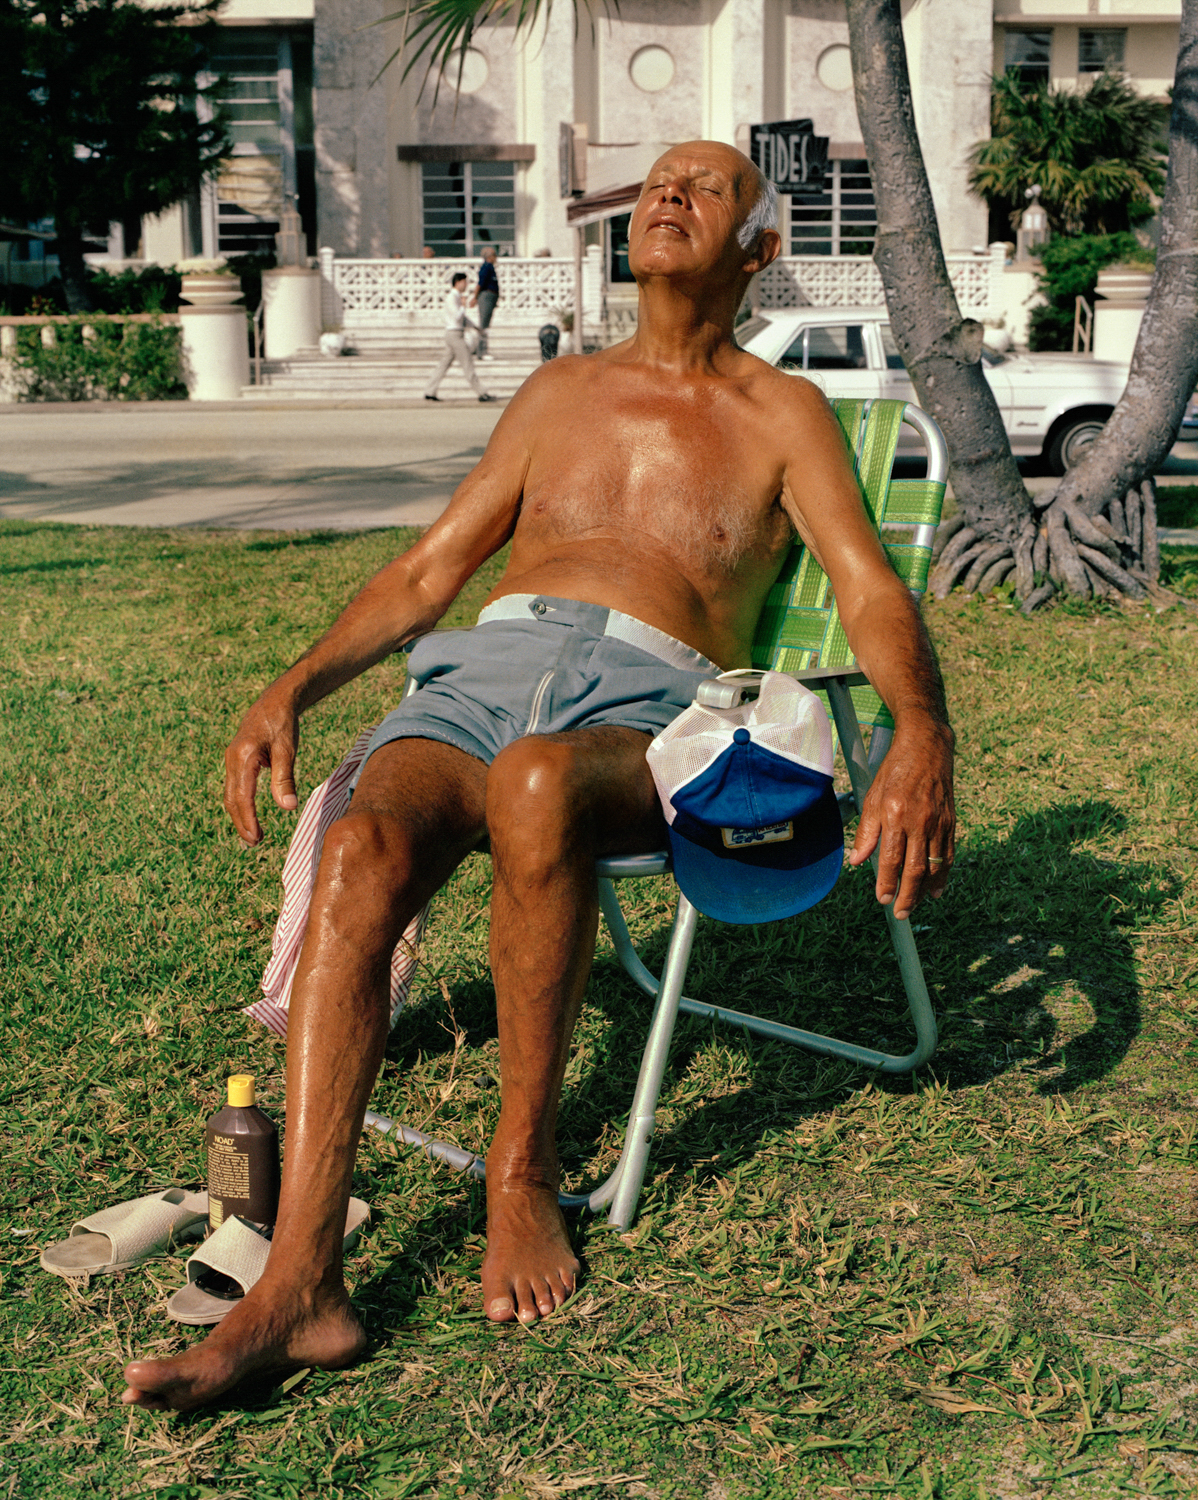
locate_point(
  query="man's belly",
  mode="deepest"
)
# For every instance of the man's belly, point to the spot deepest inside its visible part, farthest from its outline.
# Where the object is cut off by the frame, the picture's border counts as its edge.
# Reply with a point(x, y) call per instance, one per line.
point(715, 617)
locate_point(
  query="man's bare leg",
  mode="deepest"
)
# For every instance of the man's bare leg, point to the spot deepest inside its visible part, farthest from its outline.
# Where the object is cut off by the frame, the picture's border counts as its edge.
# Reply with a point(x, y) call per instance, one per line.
point(554, 802)
point(417, 811)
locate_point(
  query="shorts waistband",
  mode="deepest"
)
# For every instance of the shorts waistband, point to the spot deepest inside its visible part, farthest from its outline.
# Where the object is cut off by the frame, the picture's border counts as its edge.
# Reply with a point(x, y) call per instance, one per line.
point(530, 608)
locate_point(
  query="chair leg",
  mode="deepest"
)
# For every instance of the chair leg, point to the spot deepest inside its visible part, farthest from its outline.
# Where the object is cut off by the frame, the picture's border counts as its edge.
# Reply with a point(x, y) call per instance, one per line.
point(626, 1181)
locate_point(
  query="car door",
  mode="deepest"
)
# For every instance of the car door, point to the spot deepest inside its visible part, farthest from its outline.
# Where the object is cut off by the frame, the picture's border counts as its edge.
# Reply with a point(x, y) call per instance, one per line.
point(835, 357)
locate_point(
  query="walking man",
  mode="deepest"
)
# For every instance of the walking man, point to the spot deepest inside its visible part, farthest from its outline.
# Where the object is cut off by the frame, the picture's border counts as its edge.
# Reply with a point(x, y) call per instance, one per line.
point(456, 321)
point(486, 295)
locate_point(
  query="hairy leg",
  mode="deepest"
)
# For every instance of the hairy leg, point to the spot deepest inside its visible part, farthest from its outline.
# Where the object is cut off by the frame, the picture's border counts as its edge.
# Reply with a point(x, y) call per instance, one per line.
point(417, 811)
point(554, 803)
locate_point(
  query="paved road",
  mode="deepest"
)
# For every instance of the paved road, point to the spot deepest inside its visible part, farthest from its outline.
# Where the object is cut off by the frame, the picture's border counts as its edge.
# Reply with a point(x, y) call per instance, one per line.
point(276, 467)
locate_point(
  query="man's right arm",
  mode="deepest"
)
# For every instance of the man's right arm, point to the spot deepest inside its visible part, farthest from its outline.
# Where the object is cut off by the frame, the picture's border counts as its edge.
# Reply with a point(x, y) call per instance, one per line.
point(404, 600)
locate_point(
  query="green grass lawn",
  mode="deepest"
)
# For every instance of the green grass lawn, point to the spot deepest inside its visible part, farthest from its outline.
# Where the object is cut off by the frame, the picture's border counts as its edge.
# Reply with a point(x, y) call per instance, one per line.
point(979, 1282)
point(1177, 504)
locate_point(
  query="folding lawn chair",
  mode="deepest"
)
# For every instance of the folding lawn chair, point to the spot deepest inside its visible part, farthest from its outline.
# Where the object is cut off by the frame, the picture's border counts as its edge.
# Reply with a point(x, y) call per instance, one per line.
point(799, 633)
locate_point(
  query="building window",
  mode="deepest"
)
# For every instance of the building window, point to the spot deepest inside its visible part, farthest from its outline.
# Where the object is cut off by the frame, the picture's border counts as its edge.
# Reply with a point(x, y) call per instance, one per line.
point(1099, 50)
point(488, 187)
point(842, 220)
point(617, 265)
point(1028, 56)
point(249, 188)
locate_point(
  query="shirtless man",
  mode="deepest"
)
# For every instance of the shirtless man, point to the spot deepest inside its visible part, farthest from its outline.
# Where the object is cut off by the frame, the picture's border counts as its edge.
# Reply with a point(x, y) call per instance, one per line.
point(660, 480)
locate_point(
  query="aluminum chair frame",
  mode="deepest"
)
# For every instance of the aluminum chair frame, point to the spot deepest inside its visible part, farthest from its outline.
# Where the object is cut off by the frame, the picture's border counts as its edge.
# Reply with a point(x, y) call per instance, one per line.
point(620, 1192)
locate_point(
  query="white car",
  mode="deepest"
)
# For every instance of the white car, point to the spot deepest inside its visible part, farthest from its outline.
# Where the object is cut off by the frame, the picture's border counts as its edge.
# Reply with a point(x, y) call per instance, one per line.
point(1052, 405)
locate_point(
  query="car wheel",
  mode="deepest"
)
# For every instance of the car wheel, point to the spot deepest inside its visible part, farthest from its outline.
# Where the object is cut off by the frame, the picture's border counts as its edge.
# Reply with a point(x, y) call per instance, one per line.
point(1071, 441)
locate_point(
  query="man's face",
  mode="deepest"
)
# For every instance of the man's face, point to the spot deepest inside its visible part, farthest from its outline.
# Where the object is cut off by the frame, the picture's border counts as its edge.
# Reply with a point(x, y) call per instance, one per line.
point(489, 255)
point(693, 202)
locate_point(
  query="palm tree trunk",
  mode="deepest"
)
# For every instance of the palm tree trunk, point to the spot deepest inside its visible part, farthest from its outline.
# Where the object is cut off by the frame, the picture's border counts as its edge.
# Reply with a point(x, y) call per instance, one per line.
point(941, 350)
point(1115, 474)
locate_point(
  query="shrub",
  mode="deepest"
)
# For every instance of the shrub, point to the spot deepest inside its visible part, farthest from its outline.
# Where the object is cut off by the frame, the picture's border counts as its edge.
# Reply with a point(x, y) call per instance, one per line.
point(1069, 269)
point(152, 289)
point(18, 301)
point(117, 362)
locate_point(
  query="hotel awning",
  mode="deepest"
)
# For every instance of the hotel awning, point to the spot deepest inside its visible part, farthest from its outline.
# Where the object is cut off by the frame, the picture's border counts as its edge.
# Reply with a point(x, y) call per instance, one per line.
point(605, 204)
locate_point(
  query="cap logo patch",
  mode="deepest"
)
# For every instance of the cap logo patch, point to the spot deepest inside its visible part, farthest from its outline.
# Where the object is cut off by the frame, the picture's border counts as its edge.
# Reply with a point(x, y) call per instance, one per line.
point(744, 838)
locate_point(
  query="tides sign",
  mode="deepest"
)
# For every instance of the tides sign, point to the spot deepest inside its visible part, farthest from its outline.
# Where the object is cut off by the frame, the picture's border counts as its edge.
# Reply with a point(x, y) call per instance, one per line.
point(791, 155)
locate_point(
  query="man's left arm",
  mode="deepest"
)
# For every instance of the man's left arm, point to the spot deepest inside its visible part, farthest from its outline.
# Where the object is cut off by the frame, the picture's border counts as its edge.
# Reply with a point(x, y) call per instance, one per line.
point(909, 815)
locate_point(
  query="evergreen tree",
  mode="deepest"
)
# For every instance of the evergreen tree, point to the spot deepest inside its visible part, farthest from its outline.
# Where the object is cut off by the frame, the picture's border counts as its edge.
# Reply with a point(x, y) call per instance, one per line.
point(98, 114)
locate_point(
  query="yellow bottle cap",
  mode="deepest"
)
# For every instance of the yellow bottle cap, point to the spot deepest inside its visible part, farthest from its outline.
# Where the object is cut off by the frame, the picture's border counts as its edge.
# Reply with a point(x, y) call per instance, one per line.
point(241, 1089)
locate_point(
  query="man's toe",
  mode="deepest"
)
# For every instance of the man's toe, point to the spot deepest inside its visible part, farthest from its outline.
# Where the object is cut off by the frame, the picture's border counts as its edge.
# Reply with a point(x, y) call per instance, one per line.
point(500, 1310)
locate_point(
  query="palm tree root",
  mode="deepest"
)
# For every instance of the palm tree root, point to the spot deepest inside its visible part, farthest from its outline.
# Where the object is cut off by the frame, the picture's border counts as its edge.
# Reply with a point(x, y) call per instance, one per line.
point(1064, 550)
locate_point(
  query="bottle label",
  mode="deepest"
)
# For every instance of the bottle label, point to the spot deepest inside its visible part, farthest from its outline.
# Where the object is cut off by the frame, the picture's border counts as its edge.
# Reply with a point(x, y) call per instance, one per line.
point(228, 1176)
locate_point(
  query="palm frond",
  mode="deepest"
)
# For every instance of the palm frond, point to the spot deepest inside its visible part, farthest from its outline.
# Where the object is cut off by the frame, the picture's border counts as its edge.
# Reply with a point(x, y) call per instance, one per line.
point(438, 32)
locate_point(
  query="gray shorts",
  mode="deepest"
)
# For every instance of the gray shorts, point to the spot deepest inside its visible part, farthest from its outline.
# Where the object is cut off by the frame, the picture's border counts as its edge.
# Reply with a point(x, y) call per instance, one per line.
point(538, 665)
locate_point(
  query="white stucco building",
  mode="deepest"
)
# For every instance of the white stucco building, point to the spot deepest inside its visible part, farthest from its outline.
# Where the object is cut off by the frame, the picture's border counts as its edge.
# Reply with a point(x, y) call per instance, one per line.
point(379, 172)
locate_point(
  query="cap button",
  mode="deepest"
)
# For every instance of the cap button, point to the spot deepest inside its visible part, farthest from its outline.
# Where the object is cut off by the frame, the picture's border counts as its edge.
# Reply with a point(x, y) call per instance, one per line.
point(741, 736)
point(539, 607)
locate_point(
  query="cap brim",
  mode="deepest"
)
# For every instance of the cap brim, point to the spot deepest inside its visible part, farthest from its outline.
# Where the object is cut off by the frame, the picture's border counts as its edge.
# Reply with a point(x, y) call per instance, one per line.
point(732, 891)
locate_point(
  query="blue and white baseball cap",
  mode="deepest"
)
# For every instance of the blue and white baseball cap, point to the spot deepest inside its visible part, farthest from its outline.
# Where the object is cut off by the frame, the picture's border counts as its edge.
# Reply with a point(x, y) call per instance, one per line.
point(755, 831)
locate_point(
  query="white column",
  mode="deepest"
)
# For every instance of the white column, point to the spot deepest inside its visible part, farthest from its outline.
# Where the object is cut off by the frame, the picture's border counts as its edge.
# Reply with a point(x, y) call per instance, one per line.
point(546, 98)
point(950, 45)
point(291, 310)
point(734, 93)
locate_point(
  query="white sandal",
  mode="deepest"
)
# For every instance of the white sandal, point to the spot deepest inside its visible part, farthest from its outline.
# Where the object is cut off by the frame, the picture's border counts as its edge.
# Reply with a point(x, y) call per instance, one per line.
point(122, 1236)
point(230, 1261)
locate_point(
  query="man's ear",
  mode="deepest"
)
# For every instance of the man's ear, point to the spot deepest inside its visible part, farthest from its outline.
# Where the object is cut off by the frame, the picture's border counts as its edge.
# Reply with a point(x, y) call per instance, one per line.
point(769, 247)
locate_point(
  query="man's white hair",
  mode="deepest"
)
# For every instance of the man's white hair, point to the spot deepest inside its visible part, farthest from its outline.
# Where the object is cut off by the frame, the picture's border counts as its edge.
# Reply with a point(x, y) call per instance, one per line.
point(762, 216)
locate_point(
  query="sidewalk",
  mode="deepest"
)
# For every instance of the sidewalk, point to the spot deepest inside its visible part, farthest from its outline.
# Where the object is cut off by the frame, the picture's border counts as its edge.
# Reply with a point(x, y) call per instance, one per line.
point(272, 465)
point(243, 464)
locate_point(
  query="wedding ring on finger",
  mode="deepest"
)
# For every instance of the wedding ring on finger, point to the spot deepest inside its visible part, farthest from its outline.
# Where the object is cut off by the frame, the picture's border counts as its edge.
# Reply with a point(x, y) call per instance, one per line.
point(935, 861)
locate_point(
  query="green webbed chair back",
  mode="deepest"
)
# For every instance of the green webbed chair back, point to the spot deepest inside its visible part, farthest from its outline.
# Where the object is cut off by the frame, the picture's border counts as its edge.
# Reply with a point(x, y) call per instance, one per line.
point(800, 624)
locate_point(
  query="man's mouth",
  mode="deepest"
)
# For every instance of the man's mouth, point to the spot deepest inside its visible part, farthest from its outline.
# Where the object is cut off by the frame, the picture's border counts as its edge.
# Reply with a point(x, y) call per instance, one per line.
point(671, 224)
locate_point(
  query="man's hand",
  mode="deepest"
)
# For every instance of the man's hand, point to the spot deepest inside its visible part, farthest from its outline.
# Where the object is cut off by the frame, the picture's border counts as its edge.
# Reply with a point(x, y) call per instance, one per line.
point(268, 736)
point(909, 818)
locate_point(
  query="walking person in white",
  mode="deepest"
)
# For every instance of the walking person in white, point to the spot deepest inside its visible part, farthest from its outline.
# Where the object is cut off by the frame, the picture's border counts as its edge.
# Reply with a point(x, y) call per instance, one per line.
point(456, 321)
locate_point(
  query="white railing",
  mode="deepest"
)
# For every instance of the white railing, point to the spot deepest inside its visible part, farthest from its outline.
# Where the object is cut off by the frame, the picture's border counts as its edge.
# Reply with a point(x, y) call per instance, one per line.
point(853, 281)
point(398, 294)
point(411, 293)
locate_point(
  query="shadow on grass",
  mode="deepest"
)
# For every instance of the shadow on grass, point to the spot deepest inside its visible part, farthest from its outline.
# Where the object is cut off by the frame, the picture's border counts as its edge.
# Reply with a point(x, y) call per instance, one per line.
point(1028, 958)
point(300, 539)
point(55, 565)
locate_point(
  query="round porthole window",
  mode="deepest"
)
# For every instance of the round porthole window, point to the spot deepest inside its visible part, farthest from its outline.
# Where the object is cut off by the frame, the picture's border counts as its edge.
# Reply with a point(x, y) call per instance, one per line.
point(475, 71)
point(835, 68)
point(652, 69)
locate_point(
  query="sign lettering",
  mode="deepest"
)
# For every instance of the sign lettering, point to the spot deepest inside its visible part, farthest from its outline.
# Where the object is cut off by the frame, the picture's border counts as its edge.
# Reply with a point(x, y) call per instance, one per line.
point(791, 155)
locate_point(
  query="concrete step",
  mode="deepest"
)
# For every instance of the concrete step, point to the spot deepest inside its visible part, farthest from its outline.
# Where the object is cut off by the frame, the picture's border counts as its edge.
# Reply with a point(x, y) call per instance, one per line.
point(341, 379)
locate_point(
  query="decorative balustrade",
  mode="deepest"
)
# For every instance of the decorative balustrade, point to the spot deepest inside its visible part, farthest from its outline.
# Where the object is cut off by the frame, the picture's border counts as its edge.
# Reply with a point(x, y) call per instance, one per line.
point(411, 293)
point(853, 281)
point(382, 294)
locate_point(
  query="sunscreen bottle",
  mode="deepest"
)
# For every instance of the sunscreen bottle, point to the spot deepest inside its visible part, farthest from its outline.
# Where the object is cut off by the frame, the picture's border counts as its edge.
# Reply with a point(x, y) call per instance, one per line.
point(243, 1159)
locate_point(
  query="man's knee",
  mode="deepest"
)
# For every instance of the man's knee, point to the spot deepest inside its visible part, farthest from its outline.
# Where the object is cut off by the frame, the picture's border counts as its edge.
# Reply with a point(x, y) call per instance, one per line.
point(536, 797)
point(365, 859)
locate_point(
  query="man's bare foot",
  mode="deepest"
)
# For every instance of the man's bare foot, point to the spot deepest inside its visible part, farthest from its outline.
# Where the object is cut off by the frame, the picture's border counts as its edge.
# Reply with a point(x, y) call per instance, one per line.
point(529, 1268)
point(266, 1331)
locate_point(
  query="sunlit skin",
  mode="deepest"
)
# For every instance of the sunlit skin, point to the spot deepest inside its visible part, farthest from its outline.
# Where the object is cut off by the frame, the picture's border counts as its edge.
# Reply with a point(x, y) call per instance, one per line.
point(663, 477)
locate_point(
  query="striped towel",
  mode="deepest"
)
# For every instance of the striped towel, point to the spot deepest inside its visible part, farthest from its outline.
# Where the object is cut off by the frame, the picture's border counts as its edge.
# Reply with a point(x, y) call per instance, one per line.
point(326, 804)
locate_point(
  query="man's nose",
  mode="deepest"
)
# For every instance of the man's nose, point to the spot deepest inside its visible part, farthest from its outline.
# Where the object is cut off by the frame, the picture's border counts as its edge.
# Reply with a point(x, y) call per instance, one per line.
point(674, 190)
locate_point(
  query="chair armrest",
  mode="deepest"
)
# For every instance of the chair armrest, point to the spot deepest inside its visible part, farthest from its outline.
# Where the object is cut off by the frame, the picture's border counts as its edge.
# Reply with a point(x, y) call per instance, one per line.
point(730, 689)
